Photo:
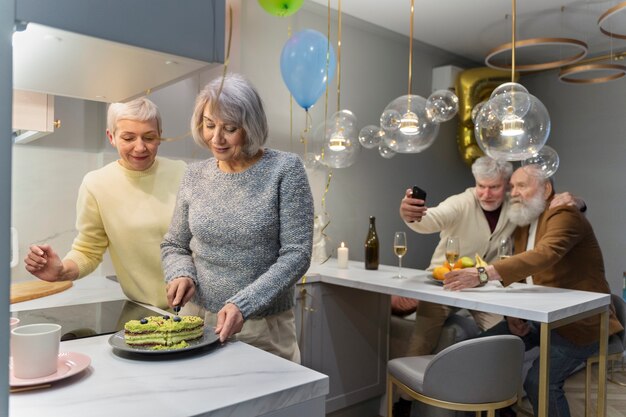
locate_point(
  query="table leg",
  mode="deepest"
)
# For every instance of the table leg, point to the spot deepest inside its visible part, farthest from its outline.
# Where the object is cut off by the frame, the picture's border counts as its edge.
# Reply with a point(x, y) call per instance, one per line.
point(544, 369)
point(604, 340)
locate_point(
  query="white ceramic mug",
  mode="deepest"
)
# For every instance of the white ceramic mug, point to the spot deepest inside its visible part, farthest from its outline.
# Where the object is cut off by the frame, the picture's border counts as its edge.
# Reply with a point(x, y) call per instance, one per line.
point(13, 322)
point(35, 349)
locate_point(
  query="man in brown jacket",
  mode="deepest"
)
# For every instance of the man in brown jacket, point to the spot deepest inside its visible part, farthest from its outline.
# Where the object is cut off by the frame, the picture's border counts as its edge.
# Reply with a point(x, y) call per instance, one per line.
point(554, 247)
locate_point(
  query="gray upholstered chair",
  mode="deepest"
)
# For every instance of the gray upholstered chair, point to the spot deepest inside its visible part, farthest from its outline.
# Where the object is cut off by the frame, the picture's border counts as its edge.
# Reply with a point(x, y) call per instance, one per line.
point(481, 374)
point(615, 352)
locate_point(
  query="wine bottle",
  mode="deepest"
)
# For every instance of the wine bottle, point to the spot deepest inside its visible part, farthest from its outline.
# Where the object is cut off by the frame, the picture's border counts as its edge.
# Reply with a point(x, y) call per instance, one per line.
point(371, 246)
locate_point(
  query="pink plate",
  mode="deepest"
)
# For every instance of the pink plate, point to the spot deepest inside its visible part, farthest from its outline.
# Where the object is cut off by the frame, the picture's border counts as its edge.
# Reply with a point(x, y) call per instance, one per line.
point(68, 364)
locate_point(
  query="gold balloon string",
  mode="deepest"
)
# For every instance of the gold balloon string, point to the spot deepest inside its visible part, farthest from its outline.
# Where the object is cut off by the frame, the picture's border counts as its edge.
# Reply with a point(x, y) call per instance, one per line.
point(308, 122)
point(513, 23)
point(326, 217)
point(411, 53)
point(226, 61)
point(338, 54)
point(290, 99)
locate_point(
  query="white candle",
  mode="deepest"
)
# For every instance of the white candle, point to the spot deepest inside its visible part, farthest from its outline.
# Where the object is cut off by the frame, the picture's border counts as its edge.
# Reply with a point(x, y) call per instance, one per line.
point(342, 256)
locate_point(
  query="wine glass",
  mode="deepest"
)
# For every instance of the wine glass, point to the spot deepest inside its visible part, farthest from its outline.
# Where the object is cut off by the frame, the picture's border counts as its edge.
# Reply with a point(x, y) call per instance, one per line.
point(505, 248)
point(453, 250)
point(399, 248)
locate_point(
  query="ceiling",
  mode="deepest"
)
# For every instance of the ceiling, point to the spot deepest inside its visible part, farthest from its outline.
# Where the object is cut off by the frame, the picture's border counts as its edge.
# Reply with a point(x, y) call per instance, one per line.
point(472, 28)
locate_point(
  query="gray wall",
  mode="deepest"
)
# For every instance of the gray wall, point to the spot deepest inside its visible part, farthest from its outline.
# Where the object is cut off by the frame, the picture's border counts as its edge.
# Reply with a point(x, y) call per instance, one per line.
point(374, 71)
point(588, 127)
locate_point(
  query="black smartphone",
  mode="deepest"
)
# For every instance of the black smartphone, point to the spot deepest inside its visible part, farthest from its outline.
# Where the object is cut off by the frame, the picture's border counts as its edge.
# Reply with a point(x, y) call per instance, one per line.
point(418, 193)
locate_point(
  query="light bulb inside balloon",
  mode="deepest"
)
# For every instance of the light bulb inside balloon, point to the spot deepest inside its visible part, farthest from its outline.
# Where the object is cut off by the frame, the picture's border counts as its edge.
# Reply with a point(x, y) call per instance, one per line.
point(512, 125)
point(409, 124)
point(411, 128)
point(337, 141)
point(514, 138)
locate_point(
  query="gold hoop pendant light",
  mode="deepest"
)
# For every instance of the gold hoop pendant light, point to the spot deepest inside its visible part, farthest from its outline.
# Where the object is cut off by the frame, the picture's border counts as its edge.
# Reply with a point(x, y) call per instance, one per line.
point(620, 8)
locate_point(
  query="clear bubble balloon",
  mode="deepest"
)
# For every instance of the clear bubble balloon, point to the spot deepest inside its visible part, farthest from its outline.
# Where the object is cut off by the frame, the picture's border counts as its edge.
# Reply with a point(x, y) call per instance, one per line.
point(341, 144)
point(385, 151)
point(510, 99)
point(476, 109)
point(412, 130)
point(442, 105)
point(346, 118)
point(546, 159)
point(513, 139)
point(370, 136)
point(390, 120)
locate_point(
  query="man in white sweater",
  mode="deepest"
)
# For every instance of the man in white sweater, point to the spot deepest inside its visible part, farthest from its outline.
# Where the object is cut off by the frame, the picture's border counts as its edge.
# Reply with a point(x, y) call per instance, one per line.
point(125, 207)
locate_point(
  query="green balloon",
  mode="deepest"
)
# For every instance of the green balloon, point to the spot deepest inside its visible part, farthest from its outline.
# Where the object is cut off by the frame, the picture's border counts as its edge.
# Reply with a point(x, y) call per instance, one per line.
point(281, 8)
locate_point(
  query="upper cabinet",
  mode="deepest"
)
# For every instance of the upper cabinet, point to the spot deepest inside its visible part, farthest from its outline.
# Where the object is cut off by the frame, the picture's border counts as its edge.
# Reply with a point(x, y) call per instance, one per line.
point(114, 50)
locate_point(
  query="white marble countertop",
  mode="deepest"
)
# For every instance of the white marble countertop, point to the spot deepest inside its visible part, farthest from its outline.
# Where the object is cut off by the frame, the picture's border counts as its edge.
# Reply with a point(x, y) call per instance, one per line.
point(233, 379)
point(538, 303)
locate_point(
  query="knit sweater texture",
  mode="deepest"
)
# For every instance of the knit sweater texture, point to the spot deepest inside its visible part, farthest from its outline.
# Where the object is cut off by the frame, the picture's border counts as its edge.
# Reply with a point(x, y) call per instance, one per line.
point(461, 215)
point(127, 212)
point(244, 238)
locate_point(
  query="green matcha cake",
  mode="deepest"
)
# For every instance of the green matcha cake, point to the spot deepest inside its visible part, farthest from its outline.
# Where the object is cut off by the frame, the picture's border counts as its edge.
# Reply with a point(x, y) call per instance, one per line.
point(163, 330)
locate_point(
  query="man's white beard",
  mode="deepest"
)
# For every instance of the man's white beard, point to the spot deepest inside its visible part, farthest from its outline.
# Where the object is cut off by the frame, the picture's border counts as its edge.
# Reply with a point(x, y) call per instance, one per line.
point(523, 213)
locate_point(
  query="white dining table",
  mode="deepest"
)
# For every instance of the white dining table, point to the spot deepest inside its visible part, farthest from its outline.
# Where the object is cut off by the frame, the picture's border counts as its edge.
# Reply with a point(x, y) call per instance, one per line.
point(551, 307)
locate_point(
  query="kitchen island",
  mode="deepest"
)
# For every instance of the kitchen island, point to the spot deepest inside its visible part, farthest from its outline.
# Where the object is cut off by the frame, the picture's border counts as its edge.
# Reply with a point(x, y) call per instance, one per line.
point(344, 289)
point(231, 379)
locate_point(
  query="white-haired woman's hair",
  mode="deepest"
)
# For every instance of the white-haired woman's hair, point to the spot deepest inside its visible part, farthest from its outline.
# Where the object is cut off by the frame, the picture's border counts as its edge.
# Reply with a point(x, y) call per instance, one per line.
point(141, 109)
point(235, 101)
point(486, 168)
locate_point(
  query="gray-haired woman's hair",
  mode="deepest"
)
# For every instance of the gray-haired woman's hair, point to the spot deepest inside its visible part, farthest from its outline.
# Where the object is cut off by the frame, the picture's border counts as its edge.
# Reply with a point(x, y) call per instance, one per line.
point(237, 103)
point(140, 109)
point(489, 168)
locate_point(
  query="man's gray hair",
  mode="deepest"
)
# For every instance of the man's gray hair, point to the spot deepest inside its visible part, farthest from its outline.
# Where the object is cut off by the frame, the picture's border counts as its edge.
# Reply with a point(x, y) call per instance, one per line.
point(486, 168)
point(234, 101)
point(141, 109)
point(537, 174)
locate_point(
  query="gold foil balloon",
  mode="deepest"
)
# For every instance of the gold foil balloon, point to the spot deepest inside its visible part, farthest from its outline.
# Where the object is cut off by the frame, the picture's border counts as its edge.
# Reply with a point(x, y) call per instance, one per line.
point(472, 87)
point(441, 106)
point(412, 130)
point(546, 159)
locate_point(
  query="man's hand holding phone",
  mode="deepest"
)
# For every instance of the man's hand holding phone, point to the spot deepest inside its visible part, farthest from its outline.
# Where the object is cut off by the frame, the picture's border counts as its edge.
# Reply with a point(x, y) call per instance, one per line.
point(412, 207)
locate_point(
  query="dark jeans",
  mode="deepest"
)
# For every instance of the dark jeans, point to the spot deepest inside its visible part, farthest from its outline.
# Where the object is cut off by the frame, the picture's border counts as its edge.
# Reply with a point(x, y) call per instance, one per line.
point(565, 357)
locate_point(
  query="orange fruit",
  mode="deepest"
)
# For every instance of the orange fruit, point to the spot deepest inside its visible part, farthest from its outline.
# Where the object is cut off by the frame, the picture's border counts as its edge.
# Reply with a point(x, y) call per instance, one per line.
point(458, 264)
point(439, 272)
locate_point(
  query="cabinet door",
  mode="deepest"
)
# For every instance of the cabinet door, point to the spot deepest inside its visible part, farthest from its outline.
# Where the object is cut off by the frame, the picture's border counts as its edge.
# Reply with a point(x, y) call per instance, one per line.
point(343, 334)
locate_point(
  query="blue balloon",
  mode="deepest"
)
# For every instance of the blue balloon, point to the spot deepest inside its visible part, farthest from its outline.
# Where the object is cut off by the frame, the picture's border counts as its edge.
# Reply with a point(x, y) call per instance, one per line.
point(306, 66)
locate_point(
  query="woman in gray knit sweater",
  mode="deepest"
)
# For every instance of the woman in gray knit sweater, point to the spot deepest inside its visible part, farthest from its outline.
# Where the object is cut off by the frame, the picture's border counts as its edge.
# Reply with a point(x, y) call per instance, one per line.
point(241, 234)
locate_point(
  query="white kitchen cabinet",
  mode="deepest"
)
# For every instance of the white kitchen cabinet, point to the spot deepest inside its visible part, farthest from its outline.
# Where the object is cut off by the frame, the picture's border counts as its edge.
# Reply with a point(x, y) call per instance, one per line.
point(33, 115)
point(342, 333)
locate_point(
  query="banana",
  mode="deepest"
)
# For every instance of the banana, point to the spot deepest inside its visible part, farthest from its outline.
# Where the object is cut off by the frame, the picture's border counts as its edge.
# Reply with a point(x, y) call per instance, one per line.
point(480, 261)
